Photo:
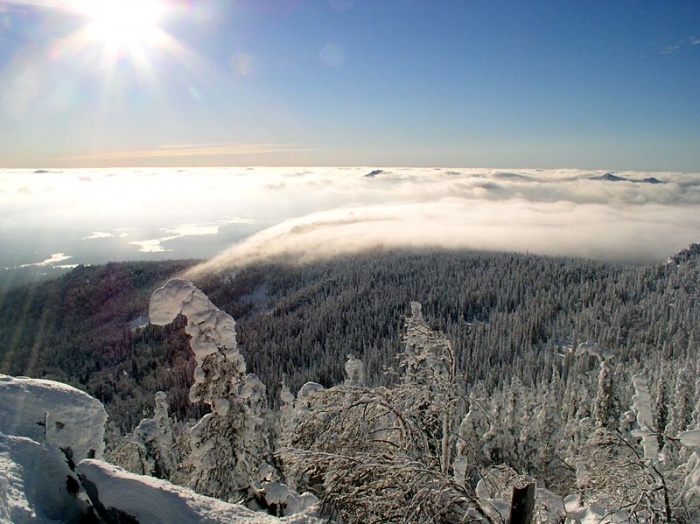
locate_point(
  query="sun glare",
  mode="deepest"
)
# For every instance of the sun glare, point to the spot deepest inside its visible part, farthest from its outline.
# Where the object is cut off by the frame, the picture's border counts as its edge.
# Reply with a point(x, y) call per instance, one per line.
point(124, 25)
point(128, 40)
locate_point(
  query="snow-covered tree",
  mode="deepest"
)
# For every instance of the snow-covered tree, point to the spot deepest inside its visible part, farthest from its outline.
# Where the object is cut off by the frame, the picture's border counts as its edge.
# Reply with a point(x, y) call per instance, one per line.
point(354, 372)
point(286, 410)
point(385, 453)
point(427, 358)
point(229, 456)
point(428, 363)
point(645, 421)
point(150, 449)
point(365, 453)
point(662, 404)
point(683, 396)
point(474, 425)
point(543, 438)
point(606, 406)
point(613, 474)
point(681, 416)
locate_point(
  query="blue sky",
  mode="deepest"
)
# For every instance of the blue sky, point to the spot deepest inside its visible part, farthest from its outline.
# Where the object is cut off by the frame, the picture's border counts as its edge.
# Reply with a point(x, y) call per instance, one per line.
point(543, 84)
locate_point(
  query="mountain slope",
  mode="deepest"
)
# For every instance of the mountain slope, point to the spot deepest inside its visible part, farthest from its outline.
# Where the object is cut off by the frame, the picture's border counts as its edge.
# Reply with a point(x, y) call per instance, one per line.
point(508, 316)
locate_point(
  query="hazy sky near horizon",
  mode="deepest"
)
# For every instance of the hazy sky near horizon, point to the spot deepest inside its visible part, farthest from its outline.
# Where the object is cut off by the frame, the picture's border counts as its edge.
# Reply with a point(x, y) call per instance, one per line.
point(477, 83)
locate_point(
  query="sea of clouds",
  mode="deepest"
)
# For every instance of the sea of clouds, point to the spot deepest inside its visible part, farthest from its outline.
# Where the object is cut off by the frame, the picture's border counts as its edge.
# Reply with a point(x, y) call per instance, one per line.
point(241, 215)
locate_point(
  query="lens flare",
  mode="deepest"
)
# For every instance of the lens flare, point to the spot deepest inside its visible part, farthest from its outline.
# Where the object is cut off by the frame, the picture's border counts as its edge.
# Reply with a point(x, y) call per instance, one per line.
point(124, 25)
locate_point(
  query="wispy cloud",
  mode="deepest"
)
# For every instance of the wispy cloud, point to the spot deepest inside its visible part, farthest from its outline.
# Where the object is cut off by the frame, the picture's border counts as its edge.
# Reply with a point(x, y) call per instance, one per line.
point(181, 152)
point(561, 228)
point(98, 235)
point(9, 4)
point(679, 46)
point(21, 5)
point(195, 146)
point(671, 49)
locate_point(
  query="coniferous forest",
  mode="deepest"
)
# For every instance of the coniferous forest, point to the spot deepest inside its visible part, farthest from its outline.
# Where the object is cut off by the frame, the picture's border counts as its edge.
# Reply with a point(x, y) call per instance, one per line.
point(541, 368)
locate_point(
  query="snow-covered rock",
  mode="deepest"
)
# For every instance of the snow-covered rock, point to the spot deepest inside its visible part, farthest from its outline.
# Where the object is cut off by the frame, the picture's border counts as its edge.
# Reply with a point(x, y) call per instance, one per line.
point(36, 484)
point(52, 413)
point(495, 493)
point(46, 427)
point(592, 513)
point(156, 501)
point(288, 500)
point(549, 507)
point(308, 389)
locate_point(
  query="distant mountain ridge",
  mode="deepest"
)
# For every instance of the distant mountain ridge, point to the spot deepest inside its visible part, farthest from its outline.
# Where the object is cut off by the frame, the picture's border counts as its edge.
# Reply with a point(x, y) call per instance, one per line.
point(610, 177)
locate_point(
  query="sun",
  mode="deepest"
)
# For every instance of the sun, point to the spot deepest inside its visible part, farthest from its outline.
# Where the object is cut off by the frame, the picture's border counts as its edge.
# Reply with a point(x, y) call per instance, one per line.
point(127, 46)
point(124, 25)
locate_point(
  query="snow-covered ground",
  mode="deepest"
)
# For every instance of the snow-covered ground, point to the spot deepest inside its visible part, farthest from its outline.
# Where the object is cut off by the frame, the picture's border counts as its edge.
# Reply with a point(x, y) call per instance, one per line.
point(34, 483)
point(159, 502)
point(49, 435)
point(45, 427)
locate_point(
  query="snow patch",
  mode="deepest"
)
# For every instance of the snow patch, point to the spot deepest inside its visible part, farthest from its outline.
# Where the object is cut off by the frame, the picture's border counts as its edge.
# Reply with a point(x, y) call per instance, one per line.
point(690, 438)
point(282, 496)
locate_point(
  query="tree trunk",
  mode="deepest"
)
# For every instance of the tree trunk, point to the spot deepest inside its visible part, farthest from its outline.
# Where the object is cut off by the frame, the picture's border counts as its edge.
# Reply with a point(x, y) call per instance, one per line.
point(445, 466)
point(522, 505)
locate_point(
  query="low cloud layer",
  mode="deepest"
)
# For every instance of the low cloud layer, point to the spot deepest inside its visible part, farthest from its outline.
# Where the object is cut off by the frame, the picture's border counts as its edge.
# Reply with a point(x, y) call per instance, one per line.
point(647, 232)
point(626, 216)
point(319, 212)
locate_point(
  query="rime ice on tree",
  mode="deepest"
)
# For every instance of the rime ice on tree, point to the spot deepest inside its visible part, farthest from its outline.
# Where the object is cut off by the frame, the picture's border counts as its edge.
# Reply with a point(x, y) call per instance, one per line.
point(427, 358)
point(227, 455)
point(642, 408)
point(354, 372)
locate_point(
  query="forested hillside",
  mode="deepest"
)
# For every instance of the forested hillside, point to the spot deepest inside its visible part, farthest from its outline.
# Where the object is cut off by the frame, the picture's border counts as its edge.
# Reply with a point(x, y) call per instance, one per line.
point(507, 315)
point(88, 329)
point(510, 317)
